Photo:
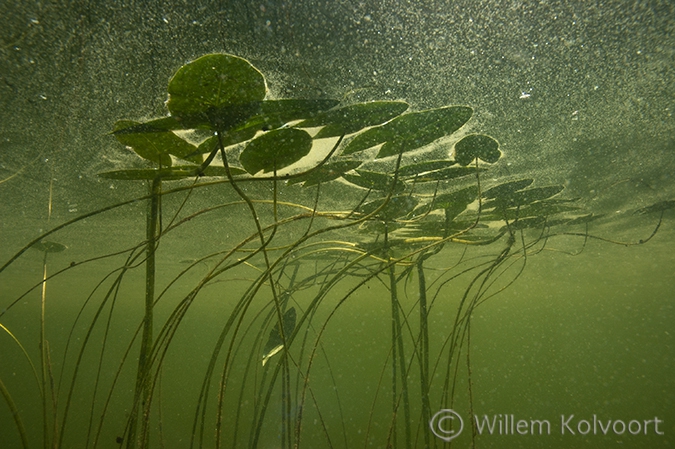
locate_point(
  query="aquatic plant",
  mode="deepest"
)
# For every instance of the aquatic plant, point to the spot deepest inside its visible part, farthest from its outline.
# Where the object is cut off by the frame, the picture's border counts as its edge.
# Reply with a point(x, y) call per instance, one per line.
point(323, 200)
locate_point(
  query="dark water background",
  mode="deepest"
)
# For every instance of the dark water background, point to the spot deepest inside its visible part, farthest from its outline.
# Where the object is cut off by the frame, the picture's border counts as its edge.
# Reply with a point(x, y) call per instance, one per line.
point(577, 93)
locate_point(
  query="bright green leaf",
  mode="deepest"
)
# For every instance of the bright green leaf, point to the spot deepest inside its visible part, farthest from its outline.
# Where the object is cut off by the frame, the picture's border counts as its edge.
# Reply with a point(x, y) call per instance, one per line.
point(374, 181)
point(154, 146)
point(507, 188)
point(352, 118)
point(478, 146)
point(216, 91)
point(411, 131)
point(325, 173)
point(275, 150)
point(396, 207)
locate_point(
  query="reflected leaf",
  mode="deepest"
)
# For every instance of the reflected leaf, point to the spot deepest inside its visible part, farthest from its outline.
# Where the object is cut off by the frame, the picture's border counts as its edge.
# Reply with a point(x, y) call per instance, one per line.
point(275, 150)
point(48, 247)
point(507, 188)
point(412, 170)
point(325, 173)
point(168, 174)
point(396, 207)
point(456, 202)
point(274, 342)
point(154, 146)
point(657, 207)
point(525, 223)
point(352, 118)
point(374, 180)
point(447, 174)
point(478, 146)
point(584, 219)
point(411, 131)
point(523, 197)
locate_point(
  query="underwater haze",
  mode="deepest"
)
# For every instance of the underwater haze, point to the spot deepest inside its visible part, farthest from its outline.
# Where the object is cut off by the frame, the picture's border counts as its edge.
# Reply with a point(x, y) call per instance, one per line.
point(339, 224)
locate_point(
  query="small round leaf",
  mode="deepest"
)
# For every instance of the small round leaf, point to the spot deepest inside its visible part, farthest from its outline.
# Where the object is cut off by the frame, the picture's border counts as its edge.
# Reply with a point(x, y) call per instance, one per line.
point(478, 146)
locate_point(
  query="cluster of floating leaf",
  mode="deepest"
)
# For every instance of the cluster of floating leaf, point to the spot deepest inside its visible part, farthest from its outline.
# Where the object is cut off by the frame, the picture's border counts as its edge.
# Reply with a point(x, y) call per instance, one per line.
point(225, 95)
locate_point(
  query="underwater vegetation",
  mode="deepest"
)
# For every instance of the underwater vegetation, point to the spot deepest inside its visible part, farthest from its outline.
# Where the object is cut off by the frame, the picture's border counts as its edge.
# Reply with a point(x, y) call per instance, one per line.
point(321, 201)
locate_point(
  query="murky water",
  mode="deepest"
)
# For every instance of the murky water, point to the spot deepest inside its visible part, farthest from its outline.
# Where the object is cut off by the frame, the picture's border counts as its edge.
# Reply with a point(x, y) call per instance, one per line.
point(536, 331)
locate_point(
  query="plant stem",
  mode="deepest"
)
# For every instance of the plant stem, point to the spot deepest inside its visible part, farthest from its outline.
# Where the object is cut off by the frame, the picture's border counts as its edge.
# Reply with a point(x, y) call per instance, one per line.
point(143, 389)
point(397, 351)
point(424, 347)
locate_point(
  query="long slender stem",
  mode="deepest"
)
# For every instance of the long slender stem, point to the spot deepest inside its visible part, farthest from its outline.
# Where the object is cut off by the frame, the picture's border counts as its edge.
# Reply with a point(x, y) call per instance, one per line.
point(424, 347)
point(398, 353)
point(143, 389)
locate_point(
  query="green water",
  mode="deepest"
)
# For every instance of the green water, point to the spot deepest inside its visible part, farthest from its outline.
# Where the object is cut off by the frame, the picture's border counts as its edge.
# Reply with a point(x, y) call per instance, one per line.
point(578, 95)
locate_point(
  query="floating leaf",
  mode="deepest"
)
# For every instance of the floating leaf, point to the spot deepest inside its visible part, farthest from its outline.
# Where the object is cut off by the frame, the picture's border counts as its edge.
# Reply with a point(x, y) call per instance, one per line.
point(218, 91)
point(396, 207)
point(525, 223)
point(409, 171)
point(584, 219)
point(275, 150)
point(657, 207)
point(168, 174)
point(447, 174)
point(274, 342)
point(374, 181)
point(456, 202)
point(523, 197)
point(325, 173)
point(507, 188)
point(411, 131)
point(276, 113)
point(478, 146)
point(352, 118)
point(154, 146)
point(152, 126)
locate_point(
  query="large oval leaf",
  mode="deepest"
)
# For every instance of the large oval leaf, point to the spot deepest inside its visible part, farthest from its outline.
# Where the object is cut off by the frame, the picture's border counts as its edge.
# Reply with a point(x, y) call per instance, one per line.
point(507, 188)
point(169, 174)
point(411, 131)
point(352, 118)
point(219, 90)
point(153, 146)
point(478, 146)
point(275, 150)
point(396, 207)
point(374, 181)
point(325, 173)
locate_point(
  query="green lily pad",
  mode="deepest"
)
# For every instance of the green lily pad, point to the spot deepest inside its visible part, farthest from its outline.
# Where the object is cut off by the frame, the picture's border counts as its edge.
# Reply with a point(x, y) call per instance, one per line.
point(48, 247)
point(478, 146)
point(447, 174)
point(412, 170)
point(411, 131)
point(222, 89)
point(169, 174)
point(526, 223)
point(275, 150)
point(523, 197)
point(374, 181)
point(154, 146)
point(325, 173)
point(507, 188)
point(396, 207)
point(657, 207)
point(584, 219)
point(352, 118)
